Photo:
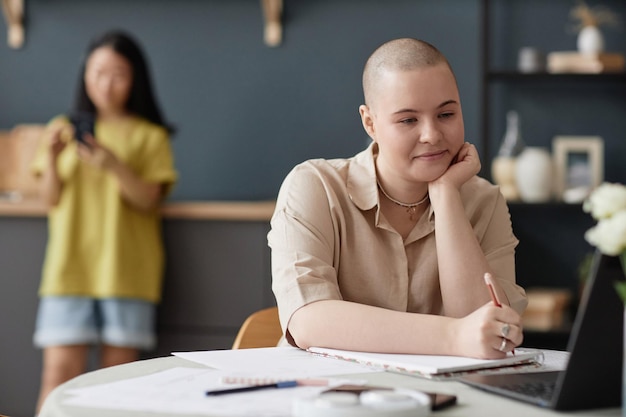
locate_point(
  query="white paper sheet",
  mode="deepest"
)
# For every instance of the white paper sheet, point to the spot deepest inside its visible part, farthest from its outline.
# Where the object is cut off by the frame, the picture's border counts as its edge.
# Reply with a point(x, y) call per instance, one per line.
point(182, 391)
point(283, 361)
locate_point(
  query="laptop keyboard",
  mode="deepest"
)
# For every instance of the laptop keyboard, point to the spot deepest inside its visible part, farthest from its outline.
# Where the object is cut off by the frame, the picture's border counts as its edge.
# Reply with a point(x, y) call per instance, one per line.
point(537, 389)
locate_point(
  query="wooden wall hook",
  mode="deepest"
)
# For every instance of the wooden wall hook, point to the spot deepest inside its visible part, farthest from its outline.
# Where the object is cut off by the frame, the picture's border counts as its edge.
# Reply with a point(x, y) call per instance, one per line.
point(14, 16)
point(272, 11)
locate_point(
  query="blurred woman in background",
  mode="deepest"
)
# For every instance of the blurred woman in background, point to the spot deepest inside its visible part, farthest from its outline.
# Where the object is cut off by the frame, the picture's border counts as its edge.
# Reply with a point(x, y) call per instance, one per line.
point(103, 177)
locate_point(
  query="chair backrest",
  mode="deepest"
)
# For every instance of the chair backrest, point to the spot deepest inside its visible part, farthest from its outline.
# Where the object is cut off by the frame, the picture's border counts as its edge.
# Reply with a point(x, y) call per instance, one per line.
point(261, 329)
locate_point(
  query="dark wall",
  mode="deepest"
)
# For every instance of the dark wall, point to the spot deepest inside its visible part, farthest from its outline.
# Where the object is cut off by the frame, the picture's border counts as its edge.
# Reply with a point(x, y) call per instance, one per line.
point(246, 113)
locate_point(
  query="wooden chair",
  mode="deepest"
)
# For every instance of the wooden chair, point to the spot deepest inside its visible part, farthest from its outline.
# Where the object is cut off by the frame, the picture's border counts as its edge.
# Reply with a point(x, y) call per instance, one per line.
point(261, 329)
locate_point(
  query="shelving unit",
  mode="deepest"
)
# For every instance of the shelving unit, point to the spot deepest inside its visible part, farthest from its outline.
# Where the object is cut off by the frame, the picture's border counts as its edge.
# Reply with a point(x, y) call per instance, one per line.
point(503, 24)
point(513, 76)
point(551, 235)
point(500, 75)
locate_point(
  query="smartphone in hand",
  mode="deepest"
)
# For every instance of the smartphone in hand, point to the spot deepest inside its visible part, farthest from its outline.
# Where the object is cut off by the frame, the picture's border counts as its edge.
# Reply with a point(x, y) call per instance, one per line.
point(83, 122)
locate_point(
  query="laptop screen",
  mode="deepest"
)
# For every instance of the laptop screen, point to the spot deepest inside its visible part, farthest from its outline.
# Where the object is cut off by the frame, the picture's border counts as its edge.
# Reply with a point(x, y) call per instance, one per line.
point(595, 344)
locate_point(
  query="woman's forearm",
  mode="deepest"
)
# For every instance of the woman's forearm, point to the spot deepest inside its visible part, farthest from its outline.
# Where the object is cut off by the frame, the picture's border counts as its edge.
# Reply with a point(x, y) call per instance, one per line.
point(51, 184)
point(137, 192)
point(352, 326)
point(462, 263)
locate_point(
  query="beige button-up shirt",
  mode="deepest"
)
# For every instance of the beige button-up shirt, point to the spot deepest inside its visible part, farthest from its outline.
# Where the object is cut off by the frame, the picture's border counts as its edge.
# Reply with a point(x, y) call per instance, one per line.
point(329, 240)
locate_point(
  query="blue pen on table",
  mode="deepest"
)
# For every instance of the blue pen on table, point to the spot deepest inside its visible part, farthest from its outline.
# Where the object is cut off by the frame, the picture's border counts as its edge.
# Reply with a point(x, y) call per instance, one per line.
point(282, 384)
point(494, 297)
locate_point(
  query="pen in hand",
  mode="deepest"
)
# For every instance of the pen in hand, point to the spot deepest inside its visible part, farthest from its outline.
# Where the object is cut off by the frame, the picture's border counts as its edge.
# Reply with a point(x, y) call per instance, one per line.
point(282, 384)
point(494, 296)
point(492, 292)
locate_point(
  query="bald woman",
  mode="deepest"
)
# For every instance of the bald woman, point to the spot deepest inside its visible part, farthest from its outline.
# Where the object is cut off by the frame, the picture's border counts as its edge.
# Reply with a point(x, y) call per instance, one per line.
point(387, 251)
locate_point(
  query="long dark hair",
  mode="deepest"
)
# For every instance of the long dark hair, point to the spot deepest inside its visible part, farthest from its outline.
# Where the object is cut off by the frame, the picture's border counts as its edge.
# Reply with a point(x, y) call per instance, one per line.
point(141, 100)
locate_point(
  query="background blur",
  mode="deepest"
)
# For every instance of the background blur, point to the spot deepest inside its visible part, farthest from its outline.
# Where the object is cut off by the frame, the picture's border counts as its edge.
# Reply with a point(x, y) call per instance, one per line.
point(246, 113)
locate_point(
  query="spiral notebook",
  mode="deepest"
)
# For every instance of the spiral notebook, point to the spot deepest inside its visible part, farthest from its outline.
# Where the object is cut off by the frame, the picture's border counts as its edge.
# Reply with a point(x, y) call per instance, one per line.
point(435, 366)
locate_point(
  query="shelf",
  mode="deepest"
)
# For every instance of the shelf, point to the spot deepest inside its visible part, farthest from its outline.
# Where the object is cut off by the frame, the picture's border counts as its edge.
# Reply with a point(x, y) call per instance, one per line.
point(14, 15)
point(191, 210)
point(547, 205)
point(545, 76)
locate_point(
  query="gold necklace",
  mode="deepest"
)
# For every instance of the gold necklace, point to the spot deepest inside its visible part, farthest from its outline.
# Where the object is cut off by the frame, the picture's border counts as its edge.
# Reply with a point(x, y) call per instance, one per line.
point(410, 208)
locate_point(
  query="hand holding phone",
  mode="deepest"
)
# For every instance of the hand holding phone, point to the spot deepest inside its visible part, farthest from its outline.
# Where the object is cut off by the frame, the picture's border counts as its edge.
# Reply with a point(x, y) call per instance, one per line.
point(83, 122)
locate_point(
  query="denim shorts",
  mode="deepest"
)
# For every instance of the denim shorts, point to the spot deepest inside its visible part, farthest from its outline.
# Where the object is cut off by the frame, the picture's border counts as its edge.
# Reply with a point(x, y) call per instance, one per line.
point(120, 322)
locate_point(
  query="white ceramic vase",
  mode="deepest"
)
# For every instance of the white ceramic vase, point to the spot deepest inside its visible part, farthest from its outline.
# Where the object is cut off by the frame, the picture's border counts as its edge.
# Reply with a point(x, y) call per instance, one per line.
point(503, 174)
point(590, 40)
point(533, 175)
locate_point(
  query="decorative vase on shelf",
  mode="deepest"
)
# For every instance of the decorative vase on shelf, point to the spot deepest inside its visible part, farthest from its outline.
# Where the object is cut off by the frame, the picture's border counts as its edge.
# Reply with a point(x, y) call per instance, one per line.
point(503, 174)
point(590, 40)
point(533, 175)
point(503, 165)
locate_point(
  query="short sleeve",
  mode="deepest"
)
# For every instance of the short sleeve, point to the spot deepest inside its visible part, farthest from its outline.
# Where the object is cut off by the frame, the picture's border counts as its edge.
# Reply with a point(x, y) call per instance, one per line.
point(302, 242)
point(498, 243)
point(158, 159)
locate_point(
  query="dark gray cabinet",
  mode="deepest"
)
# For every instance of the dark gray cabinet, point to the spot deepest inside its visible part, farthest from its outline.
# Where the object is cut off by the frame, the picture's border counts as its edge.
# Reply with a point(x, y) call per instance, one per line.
point(22, 245)
point(217, 274)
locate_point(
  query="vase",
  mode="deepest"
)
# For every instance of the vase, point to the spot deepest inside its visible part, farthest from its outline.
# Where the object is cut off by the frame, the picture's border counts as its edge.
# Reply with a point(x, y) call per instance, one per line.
point(503, 174)
point(512, 142)
point(530, 60)
point(503, 165)
point(533, 175)
point(590, 40)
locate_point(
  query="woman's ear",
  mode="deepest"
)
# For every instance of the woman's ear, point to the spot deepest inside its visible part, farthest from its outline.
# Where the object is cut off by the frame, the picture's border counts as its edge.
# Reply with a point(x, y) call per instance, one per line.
point(367, 120)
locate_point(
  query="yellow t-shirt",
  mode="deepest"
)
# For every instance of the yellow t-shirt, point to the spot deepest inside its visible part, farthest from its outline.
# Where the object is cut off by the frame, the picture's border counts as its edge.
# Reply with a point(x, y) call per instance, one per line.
point(99, 246)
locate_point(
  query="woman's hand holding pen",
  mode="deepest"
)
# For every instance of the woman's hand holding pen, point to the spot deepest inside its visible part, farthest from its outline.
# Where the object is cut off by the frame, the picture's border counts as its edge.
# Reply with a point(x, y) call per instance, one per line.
point(480, 334)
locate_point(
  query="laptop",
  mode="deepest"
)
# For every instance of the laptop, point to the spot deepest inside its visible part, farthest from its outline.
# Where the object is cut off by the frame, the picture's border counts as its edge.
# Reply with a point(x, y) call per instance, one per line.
point(593, 376)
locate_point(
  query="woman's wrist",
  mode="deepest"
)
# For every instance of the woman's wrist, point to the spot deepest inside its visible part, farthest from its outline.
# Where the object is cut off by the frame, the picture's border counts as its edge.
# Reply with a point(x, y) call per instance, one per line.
point(113, 165)
point(452, 329)
point(442, 193)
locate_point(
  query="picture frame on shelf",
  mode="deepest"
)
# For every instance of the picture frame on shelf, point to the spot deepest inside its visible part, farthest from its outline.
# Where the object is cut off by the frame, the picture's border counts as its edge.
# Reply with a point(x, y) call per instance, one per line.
point(579, 166)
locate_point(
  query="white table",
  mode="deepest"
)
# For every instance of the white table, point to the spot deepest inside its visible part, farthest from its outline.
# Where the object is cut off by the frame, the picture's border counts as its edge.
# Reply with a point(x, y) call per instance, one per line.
point(471, 402)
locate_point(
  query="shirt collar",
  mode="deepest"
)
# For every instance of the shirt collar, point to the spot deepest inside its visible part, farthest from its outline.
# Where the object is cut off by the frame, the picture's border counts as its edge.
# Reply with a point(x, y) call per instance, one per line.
point(361, 184)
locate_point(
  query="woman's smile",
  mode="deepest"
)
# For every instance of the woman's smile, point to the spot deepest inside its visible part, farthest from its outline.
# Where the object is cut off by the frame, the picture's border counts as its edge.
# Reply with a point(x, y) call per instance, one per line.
point(432, 156)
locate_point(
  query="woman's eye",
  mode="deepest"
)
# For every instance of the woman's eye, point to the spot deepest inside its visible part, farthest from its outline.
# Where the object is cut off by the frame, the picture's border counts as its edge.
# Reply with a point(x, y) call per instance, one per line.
point(409, 120)
point(446, 115)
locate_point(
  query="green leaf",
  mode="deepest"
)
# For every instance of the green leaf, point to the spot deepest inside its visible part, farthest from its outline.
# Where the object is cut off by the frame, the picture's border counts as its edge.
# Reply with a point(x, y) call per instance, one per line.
point(620, 286)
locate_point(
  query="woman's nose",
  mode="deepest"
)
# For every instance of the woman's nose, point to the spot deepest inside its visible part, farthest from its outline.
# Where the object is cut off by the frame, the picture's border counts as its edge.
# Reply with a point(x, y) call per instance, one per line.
point(430, 132)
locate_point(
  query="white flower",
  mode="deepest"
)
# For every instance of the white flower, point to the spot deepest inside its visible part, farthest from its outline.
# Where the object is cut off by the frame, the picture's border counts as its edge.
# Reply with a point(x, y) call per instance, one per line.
point(606, 200)
point(609, 235)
